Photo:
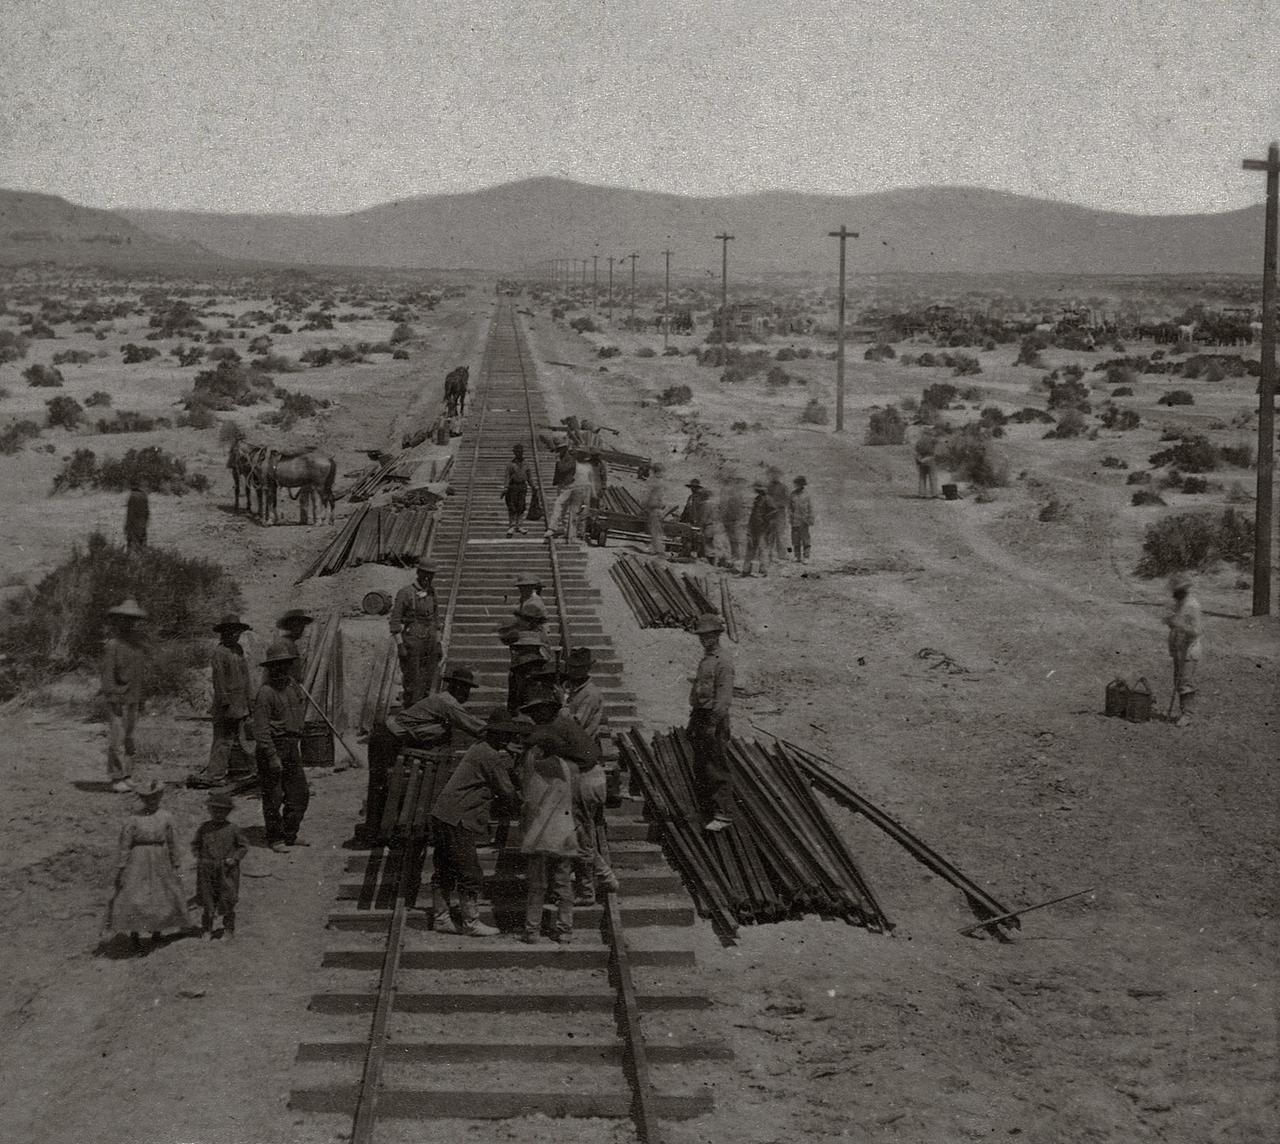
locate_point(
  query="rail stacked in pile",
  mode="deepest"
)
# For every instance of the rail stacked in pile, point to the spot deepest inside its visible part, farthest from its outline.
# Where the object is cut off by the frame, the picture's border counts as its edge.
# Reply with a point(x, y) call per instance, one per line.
point(493, 1029)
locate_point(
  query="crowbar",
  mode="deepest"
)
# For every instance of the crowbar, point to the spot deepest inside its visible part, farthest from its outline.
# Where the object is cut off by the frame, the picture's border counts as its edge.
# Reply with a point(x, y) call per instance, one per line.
point(320, 711)
point(1025, 910)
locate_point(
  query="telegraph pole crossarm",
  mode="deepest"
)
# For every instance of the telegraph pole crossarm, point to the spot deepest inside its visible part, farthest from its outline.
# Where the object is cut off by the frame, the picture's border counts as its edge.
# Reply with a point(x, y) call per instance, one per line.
point(1266, 389)
point(842, 234)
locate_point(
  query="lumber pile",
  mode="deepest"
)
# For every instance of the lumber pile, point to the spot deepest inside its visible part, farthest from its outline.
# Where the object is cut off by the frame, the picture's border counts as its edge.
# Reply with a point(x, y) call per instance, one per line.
point(323, 677)
point(782, 858)
point(661, 598)
point(381, 689)
point(372, 534)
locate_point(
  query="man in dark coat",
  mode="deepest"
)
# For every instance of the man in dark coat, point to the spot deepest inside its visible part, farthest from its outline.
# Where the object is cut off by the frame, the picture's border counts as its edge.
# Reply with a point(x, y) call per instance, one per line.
point(137, 515)
point(278, 711)
point(709, 700)
point(413, 623)
point(229, 674)
point(124, 665)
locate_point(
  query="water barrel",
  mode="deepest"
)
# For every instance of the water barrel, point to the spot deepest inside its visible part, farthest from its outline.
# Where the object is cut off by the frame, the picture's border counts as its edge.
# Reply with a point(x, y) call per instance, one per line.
point(951, 492)
point(376, 603)
point(317, 744)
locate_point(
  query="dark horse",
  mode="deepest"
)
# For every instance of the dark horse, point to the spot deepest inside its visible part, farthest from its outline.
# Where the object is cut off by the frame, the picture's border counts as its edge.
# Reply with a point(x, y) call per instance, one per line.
point(455, 391)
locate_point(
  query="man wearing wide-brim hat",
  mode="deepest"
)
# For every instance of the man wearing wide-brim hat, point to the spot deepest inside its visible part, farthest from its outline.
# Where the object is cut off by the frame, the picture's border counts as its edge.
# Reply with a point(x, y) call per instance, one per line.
point(585, 704)
point(124, 664)
point(229, 674)
point(292, 626)
point(1186, 625)
point(760, 531)
point(413, 623)
point(710, 698)
point(278, 712)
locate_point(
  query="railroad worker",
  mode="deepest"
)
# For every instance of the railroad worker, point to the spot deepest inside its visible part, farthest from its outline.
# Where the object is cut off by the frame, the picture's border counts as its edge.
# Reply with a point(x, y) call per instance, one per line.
point(1186, 625)
point(435, 721)
point(148, 895)
point(137, 516)
point(124, 664)
point(585, 705)
point(219, 847)
point(229, 674)
point(584, 478)
point(731, 514)
point(710, 698)
point(776, 491)
point(925, 451)
point(529, 652)
point(530, 588)
point(654, 495)
point(278, 711)
point(515, 490)
point(759, 532)
point(292, 626)
point(413, 625)
point(599, 477)
point(563, 479)
point(801, 507)
point(460, 823)
point(588, 435)
point(698, 512)
point(549, 836)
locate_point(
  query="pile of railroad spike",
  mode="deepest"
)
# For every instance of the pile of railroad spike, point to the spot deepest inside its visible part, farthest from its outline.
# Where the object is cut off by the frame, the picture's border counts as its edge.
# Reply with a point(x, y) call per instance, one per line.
point(379, 534)
point(323, 677)
point(662, 599)
point(782, 859)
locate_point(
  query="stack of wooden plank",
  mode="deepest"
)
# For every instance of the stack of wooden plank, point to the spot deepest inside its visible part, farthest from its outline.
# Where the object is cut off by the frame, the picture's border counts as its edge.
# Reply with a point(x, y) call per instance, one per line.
point(617, 498)
point(323, 677)
point(382, 688)
point(398, 468)
point(662, 599)
point(376, 535)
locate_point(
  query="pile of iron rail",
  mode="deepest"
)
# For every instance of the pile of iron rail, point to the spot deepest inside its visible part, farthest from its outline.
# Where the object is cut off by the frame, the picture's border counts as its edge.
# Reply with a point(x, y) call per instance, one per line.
point(782, 859)
point(398, 468)
point(662, 599)
point(376, 535)
point(617, 498)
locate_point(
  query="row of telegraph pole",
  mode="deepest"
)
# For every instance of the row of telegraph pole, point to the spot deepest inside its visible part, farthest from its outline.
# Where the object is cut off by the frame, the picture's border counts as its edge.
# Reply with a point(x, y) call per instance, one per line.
point(564, 271)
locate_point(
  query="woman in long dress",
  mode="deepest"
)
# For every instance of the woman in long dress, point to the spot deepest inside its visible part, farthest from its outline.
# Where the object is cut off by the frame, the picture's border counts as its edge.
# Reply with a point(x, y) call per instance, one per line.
point(148, 896)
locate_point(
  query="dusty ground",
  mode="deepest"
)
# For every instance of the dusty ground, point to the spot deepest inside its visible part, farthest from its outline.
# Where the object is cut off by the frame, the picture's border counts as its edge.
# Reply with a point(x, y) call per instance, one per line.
point(1143, 1012)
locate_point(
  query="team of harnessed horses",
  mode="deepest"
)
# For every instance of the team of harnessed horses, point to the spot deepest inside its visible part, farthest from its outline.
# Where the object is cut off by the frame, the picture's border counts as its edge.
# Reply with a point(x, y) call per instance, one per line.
point(307, 476)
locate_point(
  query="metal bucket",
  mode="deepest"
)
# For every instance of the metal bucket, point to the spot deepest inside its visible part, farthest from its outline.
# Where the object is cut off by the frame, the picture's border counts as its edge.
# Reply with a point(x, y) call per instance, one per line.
point(376, 603)
point(317, 745)
point(1116, 701)
point(1138, 703)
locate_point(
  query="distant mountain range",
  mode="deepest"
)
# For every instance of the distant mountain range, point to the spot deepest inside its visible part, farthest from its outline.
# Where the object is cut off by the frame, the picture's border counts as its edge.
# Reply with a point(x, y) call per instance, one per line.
point(518, 225)
point(45, 228)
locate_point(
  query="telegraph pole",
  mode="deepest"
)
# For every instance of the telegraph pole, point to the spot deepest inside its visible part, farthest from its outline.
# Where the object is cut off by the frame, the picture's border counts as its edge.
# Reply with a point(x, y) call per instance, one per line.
point(595, 283)
point(666, 303)
point(724, 239)
point(611, 289)
point(1266, 389)
point(842, 234)
point(633, 258)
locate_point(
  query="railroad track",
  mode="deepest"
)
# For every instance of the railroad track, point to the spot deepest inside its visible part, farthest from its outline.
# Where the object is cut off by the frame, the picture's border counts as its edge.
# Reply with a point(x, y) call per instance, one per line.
point(450, 1028)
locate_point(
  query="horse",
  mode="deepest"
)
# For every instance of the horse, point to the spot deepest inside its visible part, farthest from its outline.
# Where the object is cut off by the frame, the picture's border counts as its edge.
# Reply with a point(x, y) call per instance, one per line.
point(243, 461)
point(455, 390)
point(311, 473)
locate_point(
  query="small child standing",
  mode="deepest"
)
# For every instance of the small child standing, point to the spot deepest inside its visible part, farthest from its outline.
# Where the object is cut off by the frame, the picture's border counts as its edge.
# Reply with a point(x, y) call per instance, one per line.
point(218, 846)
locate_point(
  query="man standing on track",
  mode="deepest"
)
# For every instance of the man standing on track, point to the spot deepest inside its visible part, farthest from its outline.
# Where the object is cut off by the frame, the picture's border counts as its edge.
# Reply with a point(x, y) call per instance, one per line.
point(124, 664)
point(760, 536)
point(277, 730)
point(413, 624)
point(710, 698)
point(229, 674)
point(515, 490)
point(801, 520)
point(562, 484)
point(1185, 629)
point(585, 704)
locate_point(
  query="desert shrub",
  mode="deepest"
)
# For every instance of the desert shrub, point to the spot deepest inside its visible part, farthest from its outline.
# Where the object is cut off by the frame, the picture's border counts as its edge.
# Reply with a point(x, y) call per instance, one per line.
point(1122, 391)
point(646, 352)
point(317, 320)
point(273, 363)
point(58, 625)
point(227, 386)
point(908, 404)
point(1069, 393)
point(318, 357)
point(886, 427)
point(98, 399)
point(939, 395)
point(1237, 494)
point(965, 365)
point(671, 351)
point(72, 357)
point(608, 352)
point(969, 455)
point(1055, 509)
point(401, 354)
point(815, 412)
point(1195, 485)
point(260, 345)
point(1191, 454)
point(1196, 540)
point(66, 412)
point(881, 351)
point(17, 434)
point(778, 377)
point(1140, 477)
point(43, 376)
point(229, 432)
point(197, 417)
point(223, 353)
point(1145, 497)
point(1071, 423)
point(584, 325)
point(41, 331)
point(1030, 350)
point(1239, 456)
point(1110, 462)
point(799, 353)
point(993, 417)
point(281, 328)
point(78, 471)
point(13, 346)
point(189, 355)
point(134, 354)
point(294, 406)
point(402, 333)
point(675, 395)
point(1119, 375)
point(928, 359)
point(126, 421)
point(1177, 397)
point(746, 427)
point(907, 359)
point(150, 469)
point(1122, 420)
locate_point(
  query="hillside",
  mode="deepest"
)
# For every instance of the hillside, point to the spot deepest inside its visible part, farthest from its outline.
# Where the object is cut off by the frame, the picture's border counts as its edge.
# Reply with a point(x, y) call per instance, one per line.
point(955, 229)
point(45, 228)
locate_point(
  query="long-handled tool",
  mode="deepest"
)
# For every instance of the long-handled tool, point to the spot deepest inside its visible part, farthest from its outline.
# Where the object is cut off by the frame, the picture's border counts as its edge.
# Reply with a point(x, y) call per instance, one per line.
point(1025, 910)
point(337, 734)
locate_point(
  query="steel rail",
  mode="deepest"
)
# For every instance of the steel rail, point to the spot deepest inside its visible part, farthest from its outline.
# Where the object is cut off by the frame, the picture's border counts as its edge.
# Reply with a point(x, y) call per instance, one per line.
point(375, 1054)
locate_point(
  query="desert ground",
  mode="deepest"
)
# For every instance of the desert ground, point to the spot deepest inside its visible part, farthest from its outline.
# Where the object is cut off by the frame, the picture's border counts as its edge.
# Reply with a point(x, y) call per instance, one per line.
point(949, 656)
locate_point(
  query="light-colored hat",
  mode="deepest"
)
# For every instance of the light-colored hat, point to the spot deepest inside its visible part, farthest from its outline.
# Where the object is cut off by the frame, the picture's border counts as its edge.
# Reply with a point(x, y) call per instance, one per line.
point(231, 620)
point(129, 610)
point(280, 651)
point(707, 623)
point(528, 579)
point(152, 788)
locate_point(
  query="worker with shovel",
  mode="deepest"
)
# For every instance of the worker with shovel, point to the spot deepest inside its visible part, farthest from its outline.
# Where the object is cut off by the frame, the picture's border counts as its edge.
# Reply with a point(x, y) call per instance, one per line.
point(1185, 626)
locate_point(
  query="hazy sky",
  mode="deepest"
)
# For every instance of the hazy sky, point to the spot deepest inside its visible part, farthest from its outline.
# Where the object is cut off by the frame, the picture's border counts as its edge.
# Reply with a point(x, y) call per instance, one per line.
point(290, 105)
